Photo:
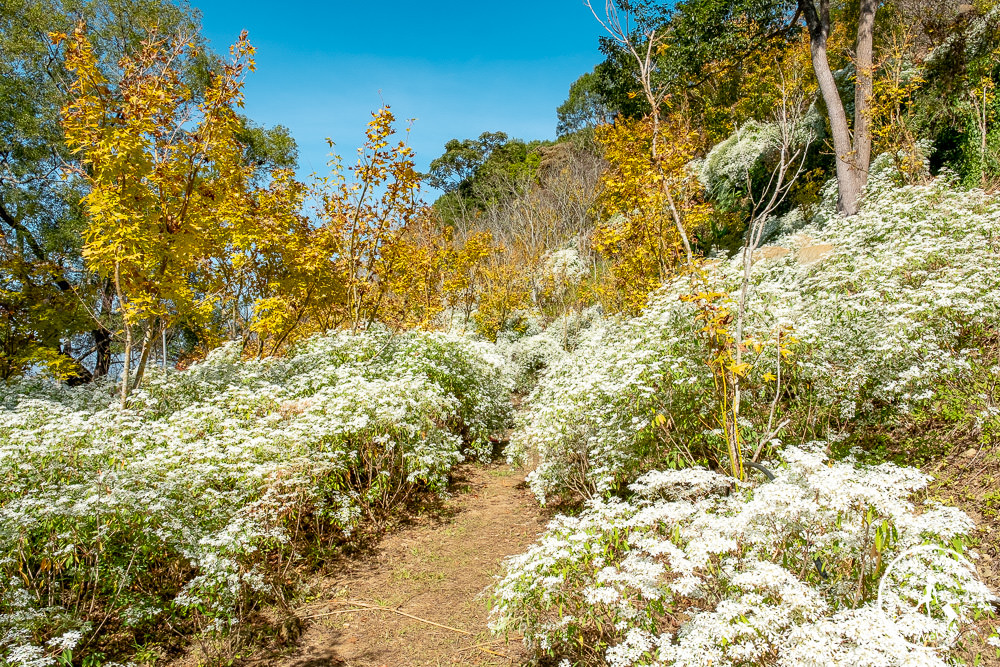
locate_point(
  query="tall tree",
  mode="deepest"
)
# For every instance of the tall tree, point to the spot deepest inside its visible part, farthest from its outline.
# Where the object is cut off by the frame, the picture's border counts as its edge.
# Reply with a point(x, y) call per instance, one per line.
point(68, 323)
point(852, 150)
point(456, 167)
point(584, 108)
point(40, 219)
point(365, 216)
point(165, 176)
point(645, 43)
point(684, 45)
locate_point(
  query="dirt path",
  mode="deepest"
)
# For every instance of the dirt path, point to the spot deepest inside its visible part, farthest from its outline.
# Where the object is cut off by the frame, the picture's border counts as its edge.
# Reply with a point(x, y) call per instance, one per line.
point(438, 570)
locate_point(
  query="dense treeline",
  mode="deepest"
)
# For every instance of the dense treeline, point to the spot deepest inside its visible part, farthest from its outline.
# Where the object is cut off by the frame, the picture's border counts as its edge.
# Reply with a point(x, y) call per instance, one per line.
point(58, 311)
point(632, 186)
point(679, 86)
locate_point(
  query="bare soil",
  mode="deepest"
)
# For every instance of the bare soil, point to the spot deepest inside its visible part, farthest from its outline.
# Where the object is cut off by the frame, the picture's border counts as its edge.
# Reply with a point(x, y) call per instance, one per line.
point(420, 596)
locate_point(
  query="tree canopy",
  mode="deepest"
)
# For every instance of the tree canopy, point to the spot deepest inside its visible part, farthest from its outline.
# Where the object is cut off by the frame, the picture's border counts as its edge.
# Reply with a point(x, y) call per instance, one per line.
point(68, 322)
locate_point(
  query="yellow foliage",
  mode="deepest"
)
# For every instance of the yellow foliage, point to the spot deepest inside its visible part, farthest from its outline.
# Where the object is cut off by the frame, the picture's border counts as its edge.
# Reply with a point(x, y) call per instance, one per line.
point(894, 83)
point(777, 70)
point(724, 357)
point(373, 254)
point(165, 173)
point(639, 235)
point(167, 183)
point(464, 276)
point(506, 289)
point(415, 265)
point(282, 264)
point(364, 218)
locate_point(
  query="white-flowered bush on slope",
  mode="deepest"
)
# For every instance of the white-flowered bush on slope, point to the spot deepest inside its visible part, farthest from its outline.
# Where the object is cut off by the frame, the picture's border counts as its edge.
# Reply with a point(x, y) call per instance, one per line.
point(191, 504)
point(529, 355)
point(882, 305)
point(696, 570)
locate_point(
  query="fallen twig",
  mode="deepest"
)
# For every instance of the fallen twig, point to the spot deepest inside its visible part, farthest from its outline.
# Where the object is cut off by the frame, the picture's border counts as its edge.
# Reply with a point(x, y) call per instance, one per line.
point(482, 647)
point(362, 606)
point(331, 613)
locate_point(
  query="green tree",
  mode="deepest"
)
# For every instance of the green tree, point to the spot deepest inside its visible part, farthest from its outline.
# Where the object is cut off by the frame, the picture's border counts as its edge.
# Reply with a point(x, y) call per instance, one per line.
point(617, 81)
point(585, 108)
point(958, 106)
point(475, 173)
point(457, 166)
point(266, 149)
point(699, 36)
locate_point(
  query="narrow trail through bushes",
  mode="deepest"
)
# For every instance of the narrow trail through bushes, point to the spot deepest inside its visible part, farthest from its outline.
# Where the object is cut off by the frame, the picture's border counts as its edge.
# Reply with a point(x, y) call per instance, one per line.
point(420, 597)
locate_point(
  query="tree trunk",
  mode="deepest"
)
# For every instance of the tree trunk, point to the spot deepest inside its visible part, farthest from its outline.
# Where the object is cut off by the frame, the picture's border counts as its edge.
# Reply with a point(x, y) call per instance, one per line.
point(127, 359)
point(80, 375)
point(126, 365)
point(863, 89)
point(982, 143)
point(818, 23)
point(852, 157)
point(102, 346)
point(103, 336)
point(147, 345)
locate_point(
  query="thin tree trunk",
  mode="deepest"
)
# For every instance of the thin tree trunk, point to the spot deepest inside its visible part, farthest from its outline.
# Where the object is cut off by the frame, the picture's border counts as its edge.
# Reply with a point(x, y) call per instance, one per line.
point(981, 110)
point(289, 330)
point(147, 345)
point(680, 225)
point(102, 346)
point(863, 89)
point(848, 187)
point(982, 143)
point(101, 334)
point(127, 360)
point(126, 365)
point(654, 103)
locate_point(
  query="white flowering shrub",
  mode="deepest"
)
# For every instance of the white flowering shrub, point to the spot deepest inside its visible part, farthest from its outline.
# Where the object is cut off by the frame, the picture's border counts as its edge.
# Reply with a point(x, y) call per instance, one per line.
point(723, 172)
point(191, 504)
point(564, 266)
point(825, 565)
point(530, 355)
point(883, 305)
point(591, 416)
point(899, 300)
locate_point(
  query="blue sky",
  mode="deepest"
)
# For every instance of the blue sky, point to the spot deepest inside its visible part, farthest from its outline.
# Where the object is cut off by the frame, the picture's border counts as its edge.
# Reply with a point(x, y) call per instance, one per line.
point(458, 68)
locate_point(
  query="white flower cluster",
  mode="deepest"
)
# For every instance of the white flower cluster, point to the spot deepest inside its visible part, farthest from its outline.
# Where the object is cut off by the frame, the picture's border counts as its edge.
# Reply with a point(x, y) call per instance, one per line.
point(215, 469)
point(883, 304)
point(590, 416)
point(530, 355)
point(564, 266)
point(699, 570)
point(724, 170)
point(894, 305)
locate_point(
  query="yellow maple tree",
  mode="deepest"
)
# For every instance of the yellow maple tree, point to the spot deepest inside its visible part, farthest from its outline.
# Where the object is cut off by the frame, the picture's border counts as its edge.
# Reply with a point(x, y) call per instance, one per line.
point(166, 179)
point(365, 212)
